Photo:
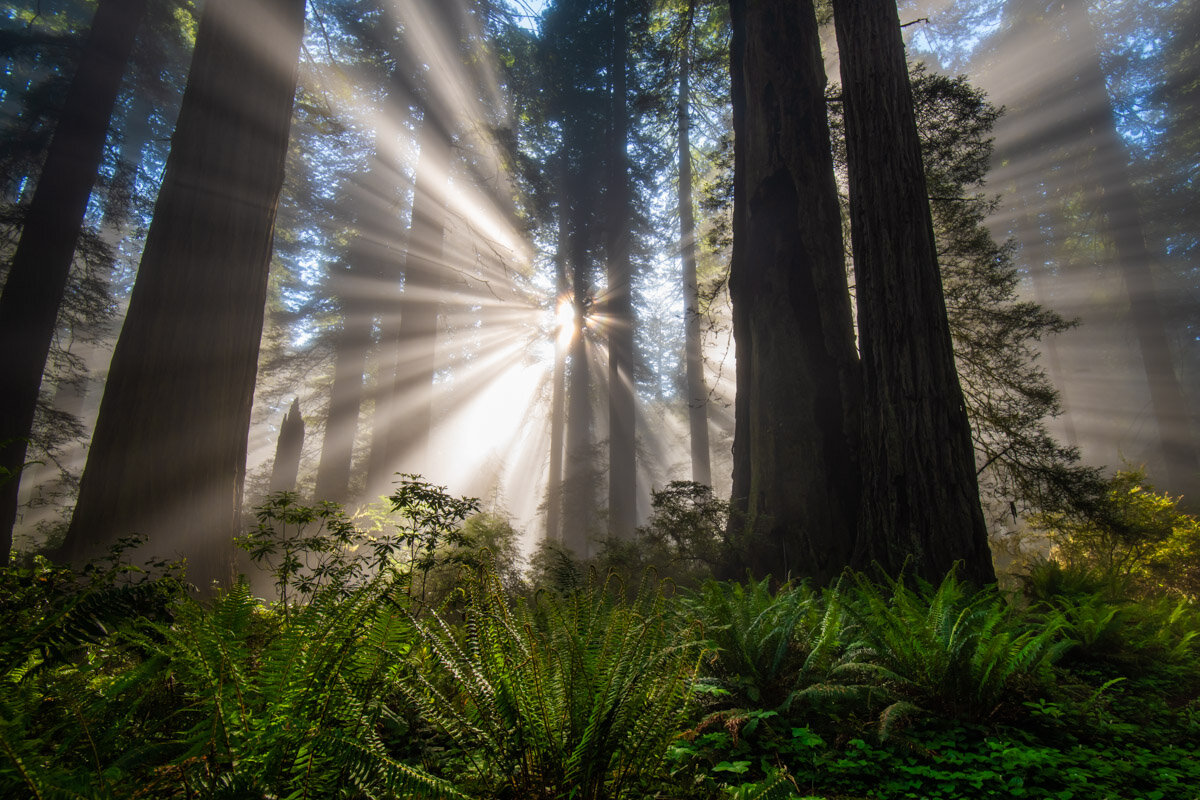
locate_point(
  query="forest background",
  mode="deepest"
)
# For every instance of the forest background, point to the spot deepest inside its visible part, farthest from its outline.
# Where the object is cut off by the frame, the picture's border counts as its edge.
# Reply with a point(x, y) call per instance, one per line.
point(454, 186)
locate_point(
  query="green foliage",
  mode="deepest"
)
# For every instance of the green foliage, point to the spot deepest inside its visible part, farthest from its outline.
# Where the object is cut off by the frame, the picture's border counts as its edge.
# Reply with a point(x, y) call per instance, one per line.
point(683, 540)
point(59, 626)
point(572, 695)
point(311, 549)
point(483, 541)
point(431, 518)
point(292, 707)
point(119, 684)
point(1104, 626)
point(1133, 536)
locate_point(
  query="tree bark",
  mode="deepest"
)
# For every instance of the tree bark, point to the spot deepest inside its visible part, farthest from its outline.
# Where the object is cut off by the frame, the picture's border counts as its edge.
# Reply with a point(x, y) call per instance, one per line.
point(920, 502)
point(697, 395)
point(795, 473)
point(286, 468)
point(169, 452)
point(618, 305)
point(38, 275)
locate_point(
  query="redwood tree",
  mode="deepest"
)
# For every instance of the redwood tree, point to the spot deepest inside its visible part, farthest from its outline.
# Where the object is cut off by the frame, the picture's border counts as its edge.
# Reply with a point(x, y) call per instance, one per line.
point(795, 475)
point(920, 498)
point(168, 454)
point(618, 304)
point(38, 275)
point(286, 467)
point(697, 396)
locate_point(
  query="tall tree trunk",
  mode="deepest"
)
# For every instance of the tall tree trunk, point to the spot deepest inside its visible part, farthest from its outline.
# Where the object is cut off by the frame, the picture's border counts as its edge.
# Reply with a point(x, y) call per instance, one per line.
point(920, 495)
point(1035, 251)
point(355, 285)
point(38, 275)
point(579, 471)
point(618, 306)
point(697, 395)
point(795, 474)
point(286, 468)
point(579, 491)
point(554, 487)
point(169, 452)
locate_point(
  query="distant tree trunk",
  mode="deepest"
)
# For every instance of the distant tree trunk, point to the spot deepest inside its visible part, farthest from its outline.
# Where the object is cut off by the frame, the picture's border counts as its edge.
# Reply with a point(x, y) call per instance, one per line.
point(697, 395)
point(1123, 223)
point(355, 283)
point(286, 468)
point(618, 306)
point(795, 474)
point(554, 487)
point(415, 340)
point(579, 491)
point(920, 495)
point(38, 275)
point(169, 452)
point(579, 472)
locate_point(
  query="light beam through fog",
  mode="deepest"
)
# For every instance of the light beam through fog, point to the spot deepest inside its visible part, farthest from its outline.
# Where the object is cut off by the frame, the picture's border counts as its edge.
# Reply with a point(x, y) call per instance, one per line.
point(1080, 164)
point(416, 316)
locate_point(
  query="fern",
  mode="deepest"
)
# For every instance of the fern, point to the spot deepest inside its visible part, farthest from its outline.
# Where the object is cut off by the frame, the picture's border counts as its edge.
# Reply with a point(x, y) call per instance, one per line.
point(576, 696)
point(948, 649)
point(767, 648)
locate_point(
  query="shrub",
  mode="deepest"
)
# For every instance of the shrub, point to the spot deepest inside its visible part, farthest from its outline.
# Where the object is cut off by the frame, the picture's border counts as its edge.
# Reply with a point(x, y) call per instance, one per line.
point(1136, 538)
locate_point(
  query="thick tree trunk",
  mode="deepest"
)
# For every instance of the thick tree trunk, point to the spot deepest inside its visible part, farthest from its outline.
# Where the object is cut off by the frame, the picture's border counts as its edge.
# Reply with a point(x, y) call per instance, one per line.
point(168, 455)
point(618, 305)
point(796, 477)
point(38, 275)
point(286, 468)
point(697, 395)
point(920, 496)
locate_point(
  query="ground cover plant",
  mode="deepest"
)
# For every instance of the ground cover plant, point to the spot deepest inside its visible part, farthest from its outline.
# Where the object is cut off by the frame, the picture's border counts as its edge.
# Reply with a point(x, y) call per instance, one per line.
point(372, 674)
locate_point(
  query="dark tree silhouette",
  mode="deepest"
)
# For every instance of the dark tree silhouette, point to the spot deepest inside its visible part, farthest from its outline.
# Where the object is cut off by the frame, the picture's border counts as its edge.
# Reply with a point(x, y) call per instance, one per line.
point(168, 455)
point(697, 395)
point(618, 304)
point(920, 499)
point(286, 467)
point(38, 275)
point(795, 480)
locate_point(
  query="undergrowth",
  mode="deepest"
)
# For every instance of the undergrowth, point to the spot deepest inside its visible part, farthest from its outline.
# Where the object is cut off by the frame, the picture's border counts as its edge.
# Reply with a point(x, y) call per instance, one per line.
point(412, 664)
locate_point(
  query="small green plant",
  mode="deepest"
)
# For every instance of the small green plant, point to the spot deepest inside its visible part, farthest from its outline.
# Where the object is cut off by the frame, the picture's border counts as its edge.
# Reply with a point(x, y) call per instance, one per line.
point(432, 519)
